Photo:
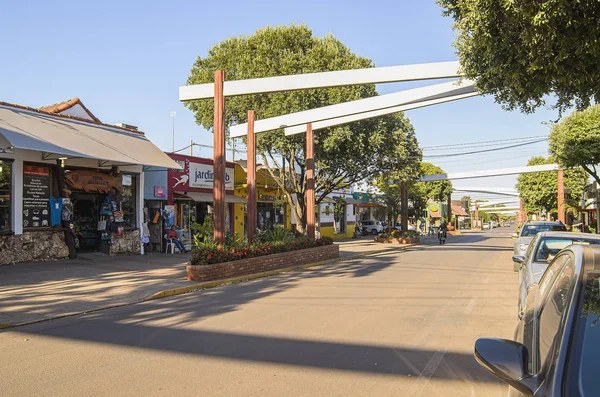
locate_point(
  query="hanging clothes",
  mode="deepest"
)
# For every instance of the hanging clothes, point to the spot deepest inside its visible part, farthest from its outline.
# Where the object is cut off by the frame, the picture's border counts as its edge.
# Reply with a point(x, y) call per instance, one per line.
point(145, 233)
point(55, 211)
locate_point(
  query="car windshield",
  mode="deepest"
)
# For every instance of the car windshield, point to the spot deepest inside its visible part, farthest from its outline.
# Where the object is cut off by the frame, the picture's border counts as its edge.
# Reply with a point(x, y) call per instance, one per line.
point(532, 230)
point(583, 376)
point(549, 247)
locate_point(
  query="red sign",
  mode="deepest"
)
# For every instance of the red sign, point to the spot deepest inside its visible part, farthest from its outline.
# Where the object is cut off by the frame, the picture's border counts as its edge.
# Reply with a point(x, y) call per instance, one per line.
point(159, 191)
point(31, 170)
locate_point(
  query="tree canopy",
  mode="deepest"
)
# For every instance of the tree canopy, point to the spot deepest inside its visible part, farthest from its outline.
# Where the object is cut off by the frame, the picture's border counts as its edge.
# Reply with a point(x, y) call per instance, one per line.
point(539, 190)
point(521, 51)
point(436, 190)
point(344, 154)
point(575, 141)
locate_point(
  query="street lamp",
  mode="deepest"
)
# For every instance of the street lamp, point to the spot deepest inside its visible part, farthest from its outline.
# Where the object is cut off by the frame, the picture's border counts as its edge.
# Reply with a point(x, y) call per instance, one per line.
point(173, 117)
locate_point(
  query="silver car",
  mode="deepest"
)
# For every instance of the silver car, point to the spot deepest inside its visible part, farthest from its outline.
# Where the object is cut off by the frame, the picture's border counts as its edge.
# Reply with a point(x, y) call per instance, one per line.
point(543, 248)
point(528, 232)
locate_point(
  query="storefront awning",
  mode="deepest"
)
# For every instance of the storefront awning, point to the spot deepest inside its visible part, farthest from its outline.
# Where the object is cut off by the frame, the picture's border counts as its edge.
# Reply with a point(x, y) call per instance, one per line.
point(456, 210)
point(208, 197)
point(434, 214)
point(350, 200)
point(58, 136)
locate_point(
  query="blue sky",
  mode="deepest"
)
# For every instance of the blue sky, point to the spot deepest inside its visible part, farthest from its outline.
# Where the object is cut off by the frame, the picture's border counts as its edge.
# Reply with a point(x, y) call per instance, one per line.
point(126, 59)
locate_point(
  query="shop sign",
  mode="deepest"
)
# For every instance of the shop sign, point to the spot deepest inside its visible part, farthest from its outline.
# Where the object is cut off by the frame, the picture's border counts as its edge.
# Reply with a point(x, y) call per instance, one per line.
point(264, 197)
point(202, 176)
point(36, 196)
point(126, 180)
point(93, 181)
point(159, 191)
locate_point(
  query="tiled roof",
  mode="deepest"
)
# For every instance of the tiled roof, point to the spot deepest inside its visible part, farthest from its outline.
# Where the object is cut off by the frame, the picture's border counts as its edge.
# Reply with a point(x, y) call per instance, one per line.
point(457, 210)
point(62, 106)
point(66, 116)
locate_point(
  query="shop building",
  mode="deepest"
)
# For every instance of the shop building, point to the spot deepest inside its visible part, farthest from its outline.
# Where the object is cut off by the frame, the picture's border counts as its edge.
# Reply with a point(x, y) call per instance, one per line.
point(272, 207)
point(70, 184)
point(337, 215)
point(366, 206)
point(184, 197)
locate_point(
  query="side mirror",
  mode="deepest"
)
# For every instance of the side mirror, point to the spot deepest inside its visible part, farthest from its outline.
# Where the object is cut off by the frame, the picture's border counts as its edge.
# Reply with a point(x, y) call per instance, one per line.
point(506, 360)
point(515, 236)
point(518, 259)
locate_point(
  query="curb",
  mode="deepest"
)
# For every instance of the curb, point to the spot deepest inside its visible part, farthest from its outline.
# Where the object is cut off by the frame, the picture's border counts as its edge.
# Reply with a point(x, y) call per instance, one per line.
point(210, 284)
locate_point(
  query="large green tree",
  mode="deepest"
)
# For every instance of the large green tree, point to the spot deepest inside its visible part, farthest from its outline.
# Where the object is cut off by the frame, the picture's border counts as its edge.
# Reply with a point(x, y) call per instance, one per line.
point(344, 154)
point(539, 190)
point(521, 51)
point(575, 141)
point(420, 192)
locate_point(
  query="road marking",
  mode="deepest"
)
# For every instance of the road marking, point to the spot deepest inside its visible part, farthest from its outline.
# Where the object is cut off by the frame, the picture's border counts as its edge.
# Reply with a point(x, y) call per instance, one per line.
point(428, 372)
point(470, 306)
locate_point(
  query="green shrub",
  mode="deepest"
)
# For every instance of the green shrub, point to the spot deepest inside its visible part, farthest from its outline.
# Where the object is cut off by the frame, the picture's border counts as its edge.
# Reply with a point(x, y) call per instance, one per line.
point(209, 253)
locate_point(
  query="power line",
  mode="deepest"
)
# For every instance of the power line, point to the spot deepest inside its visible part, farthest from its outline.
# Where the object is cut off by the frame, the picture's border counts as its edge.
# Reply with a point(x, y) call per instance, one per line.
point(460, 145)
point(483, 151)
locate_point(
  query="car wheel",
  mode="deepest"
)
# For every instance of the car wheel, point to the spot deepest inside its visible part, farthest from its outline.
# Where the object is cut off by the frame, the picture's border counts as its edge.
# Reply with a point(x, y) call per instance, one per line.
point(374, 232)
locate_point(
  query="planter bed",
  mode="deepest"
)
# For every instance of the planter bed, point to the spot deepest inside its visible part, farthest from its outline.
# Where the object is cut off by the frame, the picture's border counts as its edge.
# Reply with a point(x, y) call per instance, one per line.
point(399, 240)
point(261, 264)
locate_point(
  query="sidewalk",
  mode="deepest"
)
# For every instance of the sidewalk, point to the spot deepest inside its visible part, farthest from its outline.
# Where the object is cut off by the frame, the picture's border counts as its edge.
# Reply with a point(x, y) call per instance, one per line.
point(34, 292)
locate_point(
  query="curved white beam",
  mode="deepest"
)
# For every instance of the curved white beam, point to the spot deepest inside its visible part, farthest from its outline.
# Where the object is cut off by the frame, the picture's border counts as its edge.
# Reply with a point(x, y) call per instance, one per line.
point(388, 74)
point(297, 129)
point(489, 173)
point(406, 97)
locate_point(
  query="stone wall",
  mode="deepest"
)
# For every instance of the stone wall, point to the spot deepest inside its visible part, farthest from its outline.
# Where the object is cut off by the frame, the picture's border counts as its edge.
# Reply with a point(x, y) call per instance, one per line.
point(128, 244)
point(38, 246)
point(262, 263)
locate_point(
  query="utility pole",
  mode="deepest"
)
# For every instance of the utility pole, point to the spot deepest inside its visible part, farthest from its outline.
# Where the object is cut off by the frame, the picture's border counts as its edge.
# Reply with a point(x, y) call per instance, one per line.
point(191, 147)
point(173, 117)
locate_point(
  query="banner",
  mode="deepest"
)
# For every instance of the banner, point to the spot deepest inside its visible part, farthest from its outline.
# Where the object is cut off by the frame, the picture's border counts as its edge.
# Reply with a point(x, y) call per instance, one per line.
point(202, 176)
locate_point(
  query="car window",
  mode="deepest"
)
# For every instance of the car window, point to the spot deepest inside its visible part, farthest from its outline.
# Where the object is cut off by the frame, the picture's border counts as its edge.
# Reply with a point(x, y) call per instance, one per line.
point(532, 244)
point(582, 376)
point(549, 247)
point(532, 230)
point(551, 313)
point(551, 273)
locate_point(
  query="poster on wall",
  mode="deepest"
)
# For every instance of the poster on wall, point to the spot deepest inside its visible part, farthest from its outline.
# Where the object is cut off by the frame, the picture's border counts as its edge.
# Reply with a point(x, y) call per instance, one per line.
point(202, 176)
point(36, 196)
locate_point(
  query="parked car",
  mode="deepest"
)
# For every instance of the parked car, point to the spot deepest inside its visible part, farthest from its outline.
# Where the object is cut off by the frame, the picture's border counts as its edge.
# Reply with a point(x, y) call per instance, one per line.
point(528, 232)
point(372, 227)
point(542, 249)
point(556, 347)
point(486, 226)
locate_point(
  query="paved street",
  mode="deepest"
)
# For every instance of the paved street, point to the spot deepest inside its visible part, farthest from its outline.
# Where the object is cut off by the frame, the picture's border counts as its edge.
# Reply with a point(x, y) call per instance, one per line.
point(399, 323)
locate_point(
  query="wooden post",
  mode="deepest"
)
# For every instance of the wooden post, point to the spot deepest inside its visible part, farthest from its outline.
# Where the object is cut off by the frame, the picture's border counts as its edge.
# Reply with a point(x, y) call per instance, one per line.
point(449, 216)
point(404, 207)
point(476, 216)
point(251, 177)
point(310, 183)
point(561, 196)
point(219, 160)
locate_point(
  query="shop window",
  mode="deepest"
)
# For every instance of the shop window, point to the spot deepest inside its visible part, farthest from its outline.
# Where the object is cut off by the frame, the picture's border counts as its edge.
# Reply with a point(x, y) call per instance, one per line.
point(5, 195)
point(129, 200)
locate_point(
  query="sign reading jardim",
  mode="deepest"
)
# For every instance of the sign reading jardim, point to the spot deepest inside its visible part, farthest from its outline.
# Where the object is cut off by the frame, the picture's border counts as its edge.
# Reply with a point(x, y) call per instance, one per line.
point(202, 176)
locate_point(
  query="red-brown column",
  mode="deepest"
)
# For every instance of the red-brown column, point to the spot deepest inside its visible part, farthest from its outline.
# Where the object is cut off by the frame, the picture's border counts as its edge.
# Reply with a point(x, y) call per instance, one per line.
point(404, 207)
point(476, 216)
point(561, 196)
point(251, 177)
point(310, 183)
point(219, 160)
point(449, 215)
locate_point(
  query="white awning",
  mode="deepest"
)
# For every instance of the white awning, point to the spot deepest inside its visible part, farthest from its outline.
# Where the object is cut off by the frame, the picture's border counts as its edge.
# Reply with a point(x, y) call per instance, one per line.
point(64, 137)
point(208, 197)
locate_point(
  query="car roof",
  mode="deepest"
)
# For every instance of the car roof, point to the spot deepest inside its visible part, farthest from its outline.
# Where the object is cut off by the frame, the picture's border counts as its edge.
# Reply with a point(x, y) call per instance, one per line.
point(570, 235)
point(538, 223)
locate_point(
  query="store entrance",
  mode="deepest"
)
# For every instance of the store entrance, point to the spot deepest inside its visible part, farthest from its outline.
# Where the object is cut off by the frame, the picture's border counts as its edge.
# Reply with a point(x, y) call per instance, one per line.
point(86, 213)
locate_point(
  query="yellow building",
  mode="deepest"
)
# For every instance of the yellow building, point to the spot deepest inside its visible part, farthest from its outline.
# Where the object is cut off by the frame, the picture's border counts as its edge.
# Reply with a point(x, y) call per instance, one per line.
point(271, 207)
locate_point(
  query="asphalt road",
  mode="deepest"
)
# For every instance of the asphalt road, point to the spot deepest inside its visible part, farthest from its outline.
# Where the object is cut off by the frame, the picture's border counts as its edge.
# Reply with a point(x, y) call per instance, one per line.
point(395, 324)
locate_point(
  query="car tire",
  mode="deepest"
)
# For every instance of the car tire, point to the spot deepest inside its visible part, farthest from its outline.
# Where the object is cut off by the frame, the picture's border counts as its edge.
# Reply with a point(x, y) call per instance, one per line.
point(374, 232)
